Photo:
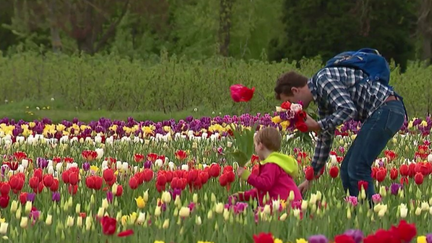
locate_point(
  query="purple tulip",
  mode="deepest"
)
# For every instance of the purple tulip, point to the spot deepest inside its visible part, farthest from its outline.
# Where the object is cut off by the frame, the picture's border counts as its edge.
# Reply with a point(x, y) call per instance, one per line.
point(109, 196)
point(317, 239)
point(31, 196)
point(148, 164)
point(357, 235)
point(86, 166)
point(429, 238)
point(56, 197)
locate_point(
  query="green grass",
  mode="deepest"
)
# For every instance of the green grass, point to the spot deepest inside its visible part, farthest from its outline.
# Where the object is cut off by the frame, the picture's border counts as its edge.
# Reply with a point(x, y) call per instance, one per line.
point(57, 111)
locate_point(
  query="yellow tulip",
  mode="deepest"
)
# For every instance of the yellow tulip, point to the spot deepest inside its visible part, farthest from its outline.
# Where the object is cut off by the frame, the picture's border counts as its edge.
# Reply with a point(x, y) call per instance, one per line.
point(140, 202)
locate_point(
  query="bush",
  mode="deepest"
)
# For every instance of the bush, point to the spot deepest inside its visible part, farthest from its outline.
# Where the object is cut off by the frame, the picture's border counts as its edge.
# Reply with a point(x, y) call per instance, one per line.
point(170, 84)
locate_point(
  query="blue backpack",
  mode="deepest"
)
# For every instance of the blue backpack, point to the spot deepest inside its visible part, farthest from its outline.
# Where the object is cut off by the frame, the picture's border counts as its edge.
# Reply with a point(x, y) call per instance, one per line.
point(368, 60)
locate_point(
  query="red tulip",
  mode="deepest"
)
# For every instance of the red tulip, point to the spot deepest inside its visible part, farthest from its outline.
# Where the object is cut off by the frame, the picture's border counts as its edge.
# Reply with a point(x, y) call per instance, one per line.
point(65, 176)
point(13, 182)
point(286, 105)
point(240, 93)
point(405, 232)
point(54, 186)
point(119, 191)
point(255, 169)
point(169, 176)
point(161, 180)
point(214, 170)
point(404, 180)
point(90, 182)
point(125, 233)
point(20, 155)
point(404, 170)
point(411, 168)
point(73, 178)
point(38, 173)
point(343, 239)
point(223, 181)
point(362, 184)
point(418, 178)
point(181, 154)
point(393, 174)
point(72, 189)
point(39, 188)
point(230, 177)
point(192, 175)
point(48, 180)
point(133, 183)
point(139, 158)
point(89, 155)
point(98, 182)
point(263, 238)
point(4, 201)
point(309, 174)
point(23, 197)
point(381, 174)
point(34, 182)
point(109, 225)
point(152, 157)
point(301, 126)
point(148, 175)
point(204, 176)
point(334, 171)
point(4, 188)
point(108, 175)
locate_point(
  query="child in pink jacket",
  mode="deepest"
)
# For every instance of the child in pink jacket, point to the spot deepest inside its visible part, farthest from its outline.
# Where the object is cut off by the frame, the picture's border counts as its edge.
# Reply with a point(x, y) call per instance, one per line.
point(276, 171)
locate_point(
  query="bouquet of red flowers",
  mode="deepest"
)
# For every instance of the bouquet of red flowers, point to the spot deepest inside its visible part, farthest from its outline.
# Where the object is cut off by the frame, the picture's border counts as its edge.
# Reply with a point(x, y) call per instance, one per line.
point(291, 117)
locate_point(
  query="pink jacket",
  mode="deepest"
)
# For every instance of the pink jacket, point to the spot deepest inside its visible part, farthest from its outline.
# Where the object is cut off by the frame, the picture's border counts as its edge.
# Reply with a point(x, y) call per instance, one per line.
point(272, 179)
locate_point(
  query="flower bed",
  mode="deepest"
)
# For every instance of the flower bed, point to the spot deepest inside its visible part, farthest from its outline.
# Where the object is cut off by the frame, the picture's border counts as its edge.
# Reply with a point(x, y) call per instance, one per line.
point(170, 182)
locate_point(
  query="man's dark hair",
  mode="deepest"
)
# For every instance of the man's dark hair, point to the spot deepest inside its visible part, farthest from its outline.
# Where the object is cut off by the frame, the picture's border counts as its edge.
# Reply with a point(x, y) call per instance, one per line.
point(287, 81)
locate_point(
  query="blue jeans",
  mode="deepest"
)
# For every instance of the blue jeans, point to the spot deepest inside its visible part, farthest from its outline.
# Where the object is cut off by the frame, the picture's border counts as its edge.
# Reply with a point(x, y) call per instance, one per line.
point(372, 138)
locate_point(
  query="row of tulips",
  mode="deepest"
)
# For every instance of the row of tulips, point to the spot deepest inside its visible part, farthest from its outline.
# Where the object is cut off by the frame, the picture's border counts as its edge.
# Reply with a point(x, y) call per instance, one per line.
point(214, 128)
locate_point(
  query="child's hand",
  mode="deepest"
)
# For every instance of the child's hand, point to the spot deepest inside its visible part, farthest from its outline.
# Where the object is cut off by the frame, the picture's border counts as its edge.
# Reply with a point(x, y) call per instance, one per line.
point(240, 171)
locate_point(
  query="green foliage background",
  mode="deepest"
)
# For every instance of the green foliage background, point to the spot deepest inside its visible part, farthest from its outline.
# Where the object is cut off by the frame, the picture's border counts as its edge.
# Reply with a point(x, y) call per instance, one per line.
point(114, 83)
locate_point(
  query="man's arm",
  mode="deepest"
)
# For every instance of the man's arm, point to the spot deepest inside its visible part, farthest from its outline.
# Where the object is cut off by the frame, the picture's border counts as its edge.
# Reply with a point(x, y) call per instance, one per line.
point(323, 146)
point(322, 151)
point(331, 88)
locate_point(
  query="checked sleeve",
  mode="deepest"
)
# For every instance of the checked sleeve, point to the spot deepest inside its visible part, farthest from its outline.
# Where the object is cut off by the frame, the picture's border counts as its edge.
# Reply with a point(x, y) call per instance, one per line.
point(330, 87)
point(323, 146)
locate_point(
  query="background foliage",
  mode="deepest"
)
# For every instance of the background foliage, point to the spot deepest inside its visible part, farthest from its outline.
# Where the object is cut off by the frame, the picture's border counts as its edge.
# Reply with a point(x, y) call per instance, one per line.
point(167, 56)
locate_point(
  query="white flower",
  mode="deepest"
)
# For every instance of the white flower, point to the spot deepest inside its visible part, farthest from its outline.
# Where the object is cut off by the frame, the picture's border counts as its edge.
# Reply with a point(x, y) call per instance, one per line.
point(296, 107)
point(100, 153)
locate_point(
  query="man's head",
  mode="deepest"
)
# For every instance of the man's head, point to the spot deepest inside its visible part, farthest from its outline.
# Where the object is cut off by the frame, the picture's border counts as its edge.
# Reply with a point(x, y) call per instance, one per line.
point(267, 140)
point(292, 87)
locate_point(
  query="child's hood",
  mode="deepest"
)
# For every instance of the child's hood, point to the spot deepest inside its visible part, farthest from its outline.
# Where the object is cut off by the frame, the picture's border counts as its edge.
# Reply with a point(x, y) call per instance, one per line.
point(286, 162)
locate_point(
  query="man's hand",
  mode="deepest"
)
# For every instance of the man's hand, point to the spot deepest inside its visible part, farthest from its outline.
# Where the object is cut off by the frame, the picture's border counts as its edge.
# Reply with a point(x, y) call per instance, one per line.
point(240, 171)
point(304, 186)
point(312, 125)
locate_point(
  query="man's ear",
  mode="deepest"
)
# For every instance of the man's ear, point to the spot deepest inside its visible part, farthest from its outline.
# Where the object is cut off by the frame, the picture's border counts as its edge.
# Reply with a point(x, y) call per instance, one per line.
point(294, 90)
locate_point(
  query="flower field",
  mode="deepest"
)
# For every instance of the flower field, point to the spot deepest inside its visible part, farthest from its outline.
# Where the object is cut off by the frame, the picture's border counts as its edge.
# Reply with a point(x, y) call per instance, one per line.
point(132, 181)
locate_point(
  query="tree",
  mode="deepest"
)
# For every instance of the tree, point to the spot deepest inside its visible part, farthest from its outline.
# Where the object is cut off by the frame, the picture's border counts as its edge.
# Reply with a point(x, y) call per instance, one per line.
point(91, 23)
point(424, 27)
point(325, 28)
point(225, 21)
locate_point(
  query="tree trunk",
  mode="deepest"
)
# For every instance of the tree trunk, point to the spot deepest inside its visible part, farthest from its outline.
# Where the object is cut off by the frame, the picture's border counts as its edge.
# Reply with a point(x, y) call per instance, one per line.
point(55, 36)
point(424, 23)
point(426, 49)
point(225, 13)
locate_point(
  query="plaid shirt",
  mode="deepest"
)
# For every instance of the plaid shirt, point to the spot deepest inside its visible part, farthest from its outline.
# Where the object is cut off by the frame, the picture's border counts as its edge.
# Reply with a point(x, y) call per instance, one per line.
point(341, 97)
